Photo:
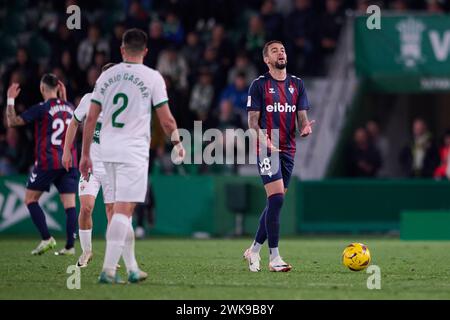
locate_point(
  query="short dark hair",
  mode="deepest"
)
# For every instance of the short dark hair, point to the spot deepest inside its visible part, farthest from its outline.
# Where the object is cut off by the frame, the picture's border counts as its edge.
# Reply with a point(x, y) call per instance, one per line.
point(50, 80)
point(266, 46)
point(107, 66)
point(134, 40)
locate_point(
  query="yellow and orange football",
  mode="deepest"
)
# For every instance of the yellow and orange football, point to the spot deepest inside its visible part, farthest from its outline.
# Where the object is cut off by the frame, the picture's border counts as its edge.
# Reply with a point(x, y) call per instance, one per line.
point(356, 256)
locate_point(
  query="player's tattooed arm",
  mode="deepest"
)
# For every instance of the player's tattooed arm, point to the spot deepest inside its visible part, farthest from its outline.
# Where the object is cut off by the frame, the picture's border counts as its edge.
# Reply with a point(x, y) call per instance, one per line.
point(304, 124)
point(12, 119)
point(253, 123)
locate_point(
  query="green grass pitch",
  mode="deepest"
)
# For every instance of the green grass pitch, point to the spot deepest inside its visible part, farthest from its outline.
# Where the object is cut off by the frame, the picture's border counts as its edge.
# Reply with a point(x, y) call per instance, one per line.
point(214, 269)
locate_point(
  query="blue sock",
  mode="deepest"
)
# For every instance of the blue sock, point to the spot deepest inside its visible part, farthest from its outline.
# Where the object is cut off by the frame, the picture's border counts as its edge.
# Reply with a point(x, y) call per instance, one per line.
point(38, 217)
point(71, 227)
point(273, 219)
point(261, 233)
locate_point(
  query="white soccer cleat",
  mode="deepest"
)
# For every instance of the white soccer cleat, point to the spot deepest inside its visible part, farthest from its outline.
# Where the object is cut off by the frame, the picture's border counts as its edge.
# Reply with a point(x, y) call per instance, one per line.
point(278, 265)
point(65, 252)
point(253, 259)
point(44, 246)
point(84, 259)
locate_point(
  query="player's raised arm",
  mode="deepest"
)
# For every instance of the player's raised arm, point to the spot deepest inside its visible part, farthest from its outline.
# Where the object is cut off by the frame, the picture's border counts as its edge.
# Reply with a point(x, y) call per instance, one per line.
point(88, 134)
point(12, 119)
point(70, 137)
point(169, 126)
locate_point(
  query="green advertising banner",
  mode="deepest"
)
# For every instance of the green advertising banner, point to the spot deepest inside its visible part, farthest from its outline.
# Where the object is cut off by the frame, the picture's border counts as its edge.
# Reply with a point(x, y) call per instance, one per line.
point(408, 54)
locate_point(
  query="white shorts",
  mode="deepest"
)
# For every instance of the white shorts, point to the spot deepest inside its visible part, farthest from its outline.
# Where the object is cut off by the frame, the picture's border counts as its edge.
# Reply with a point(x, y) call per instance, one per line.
point(98, 179)
point(129, 181)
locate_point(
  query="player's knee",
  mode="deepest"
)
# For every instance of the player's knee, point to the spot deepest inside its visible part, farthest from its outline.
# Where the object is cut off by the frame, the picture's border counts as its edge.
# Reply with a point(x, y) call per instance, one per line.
point(276, 200)
point(86, 209)
point(29, 201)
point(30, 198)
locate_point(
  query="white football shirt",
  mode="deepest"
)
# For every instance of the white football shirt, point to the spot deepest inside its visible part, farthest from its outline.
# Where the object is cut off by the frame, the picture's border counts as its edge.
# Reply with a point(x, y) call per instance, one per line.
point(80, 115)
point(127, 92)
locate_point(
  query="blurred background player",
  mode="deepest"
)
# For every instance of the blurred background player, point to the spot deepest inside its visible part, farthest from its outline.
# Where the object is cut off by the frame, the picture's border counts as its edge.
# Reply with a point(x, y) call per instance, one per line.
point(88, 188)
point(275, 100)
point(51, 119)
point(126, 93)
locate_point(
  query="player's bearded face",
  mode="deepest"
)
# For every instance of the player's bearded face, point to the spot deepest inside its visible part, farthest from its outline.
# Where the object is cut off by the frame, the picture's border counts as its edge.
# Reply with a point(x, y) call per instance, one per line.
point(280, 61)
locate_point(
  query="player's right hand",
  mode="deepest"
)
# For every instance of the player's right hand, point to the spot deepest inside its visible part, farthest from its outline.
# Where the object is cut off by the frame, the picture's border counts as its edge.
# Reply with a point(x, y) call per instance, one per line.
point(178, 153)
point(85, 167)
point(67, 160)
point(13, 91)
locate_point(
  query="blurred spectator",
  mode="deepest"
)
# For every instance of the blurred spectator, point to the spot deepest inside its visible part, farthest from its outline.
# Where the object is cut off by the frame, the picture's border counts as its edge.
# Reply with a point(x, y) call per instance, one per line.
point(330, 25)
point(273, 21)
point(173, 64)
point(211, 63)
point(361, 6)
point(243, 65)
point(90, 46)
point(222, 45)
point(116, 42)
point(380, 142)
point(399, 5)
point(301, 31)
point(364, 158)
point(237, 94)
point(25, 72)
point(420, 158)
point(12, 157)
point(228, 117)
point(253, 41)
point(173, 30)
point(192, 51)
point(70, 70)
point(137, 16)
point(63, 40)
point(91, 77)
point(441, 171)
point(435, 6)
point(202, 96)
point(176, 103)
point(100, 59)
point(156, 43)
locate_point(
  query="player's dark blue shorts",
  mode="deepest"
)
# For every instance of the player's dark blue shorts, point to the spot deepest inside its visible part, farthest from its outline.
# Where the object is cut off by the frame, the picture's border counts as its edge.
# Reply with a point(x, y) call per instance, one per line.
point(278, 165)
point(64, 181)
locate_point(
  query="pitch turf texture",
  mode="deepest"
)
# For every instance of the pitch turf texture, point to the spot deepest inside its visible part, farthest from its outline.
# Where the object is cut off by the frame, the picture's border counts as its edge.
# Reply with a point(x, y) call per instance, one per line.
point(214, 269)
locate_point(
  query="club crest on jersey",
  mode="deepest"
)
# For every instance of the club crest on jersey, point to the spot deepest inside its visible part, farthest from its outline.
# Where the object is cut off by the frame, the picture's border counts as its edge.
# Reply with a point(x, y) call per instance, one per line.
point(278, 107)
point(271, 90)
point(291, 89)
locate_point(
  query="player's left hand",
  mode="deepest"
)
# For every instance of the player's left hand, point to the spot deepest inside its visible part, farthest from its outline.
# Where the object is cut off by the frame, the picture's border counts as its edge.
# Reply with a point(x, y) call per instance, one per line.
point(62, 91)
point(66, 160)
point(307, 128)
point(85, 167)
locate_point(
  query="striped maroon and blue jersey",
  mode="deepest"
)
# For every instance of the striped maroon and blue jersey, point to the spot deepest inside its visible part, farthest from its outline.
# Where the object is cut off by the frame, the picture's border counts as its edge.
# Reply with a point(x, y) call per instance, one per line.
point(51, 120)
point(278, 102)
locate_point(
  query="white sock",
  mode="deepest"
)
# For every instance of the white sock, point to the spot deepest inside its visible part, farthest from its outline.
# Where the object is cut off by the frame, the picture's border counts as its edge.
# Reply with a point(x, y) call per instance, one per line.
point(256, 247)
point(115, 240)
point(86, 240)
point(273, 253)
point(128, 250)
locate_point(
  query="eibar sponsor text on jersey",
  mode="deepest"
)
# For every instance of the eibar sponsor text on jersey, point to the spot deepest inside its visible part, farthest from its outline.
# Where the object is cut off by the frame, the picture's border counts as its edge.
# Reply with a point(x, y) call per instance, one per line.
point(278, 107)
